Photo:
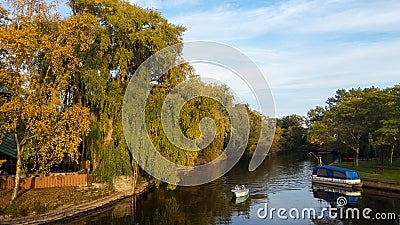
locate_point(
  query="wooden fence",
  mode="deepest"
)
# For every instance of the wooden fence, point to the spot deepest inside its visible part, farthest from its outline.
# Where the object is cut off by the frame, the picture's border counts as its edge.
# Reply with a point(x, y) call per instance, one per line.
point(44, 181)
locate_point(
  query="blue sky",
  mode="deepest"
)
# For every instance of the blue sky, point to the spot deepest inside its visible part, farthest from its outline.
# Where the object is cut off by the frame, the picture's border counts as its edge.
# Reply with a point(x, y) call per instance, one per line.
point(307, 49)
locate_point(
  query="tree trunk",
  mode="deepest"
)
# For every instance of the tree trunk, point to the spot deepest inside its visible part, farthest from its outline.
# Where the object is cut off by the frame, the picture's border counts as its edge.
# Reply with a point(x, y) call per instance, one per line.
point(391, 155)
point(83, 157)
point(18, 168)
point(356, 158)
point(109, 131)
point(135, 177)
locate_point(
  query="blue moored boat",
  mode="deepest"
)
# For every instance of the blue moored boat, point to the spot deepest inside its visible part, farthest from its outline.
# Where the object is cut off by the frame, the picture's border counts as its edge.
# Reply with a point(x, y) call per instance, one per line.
point(336, 176)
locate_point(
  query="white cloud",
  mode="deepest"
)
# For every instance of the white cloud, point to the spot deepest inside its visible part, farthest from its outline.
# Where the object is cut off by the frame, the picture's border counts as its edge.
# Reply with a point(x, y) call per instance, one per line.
point(301, 17)
point(307, 49)
point(363, 64)
point(152, 4)
point(162, 4)
point(300, 80)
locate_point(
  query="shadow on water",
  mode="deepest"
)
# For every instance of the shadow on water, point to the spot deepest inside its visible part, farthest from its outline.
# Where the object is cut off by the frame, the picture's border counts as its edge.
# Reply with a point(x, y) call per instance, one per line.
point(119, 214)
point(281, 181)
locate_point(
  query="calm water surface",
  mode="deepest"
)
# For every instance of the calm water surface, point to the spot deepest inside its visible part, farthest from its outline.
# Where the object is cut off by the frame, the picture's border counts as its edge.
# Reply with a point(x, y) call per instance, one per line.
point(281, 182)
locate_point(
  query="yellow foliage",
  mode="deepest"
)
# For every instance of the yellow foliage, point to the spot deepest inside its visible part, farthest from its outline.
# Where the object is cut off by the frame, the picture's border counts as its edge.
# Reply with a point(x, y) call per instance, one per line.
point(37, 64)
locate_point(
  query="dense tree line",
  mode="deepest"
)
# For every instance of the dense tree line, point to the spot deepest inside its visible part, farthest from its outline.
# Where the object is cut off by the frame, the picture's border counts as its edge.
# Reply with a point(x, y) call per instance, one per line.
point(291, 133)
point(359, 122)
point(365, 121)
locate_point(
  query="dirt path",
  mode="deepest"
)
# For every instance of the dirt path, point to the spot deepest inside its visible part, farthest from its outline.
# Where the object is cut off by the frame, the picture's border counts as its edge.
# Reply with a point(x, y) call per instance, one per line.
point(69, 211)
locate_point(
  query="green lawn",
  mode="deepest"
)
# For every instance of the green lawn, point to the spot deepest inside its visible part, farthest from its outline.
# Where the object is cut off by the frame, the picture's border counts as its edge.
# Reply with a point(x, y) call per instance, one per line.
point(366, 169)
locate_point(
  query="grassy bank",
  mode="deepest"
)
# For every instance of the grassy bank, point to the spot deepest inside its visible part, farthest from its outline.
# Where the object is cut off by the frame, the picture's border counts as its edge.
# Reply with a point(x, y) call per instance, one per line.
point(375, 170)
point(38, 201)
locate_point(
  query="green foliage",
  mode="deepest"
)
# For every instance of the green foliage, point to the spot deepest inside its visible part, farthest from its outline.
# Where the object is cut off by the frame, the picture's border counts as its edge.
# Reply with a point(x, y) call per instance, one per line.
point(124, 36)
point(365, 121)
point(290, 121)
point(290, 133)
point(67, 79)
point(255, 120)
point(259, 122)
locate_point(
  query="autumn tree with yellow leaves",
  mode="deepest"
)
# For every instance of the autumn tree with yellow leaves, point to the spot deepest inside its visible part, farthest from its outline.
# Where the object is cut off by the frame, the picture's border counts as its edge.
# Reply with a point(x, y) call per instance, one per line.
point(36, 65)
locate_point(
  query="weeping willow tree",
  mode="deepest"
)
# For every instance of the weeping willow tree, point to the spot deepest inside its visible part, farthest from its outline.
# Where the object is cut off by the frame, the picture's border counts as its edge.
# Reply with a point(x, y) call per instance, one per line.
point(125, 35)
point(190, 115)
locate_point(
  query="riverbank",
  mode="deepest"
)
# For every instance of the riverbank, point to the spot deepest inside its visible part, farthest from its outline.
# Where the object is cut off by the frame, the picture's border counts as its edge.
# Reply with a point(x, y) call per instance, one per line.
point(77, 200)
point(375, 170)
point(377, 176)
point(381, 184)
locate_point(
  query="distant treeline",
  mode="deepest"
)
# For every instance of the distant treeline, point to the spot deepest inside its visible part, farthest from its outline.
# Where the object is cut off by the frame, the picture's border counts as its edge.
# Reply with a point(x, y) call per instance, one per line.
point(358, 122)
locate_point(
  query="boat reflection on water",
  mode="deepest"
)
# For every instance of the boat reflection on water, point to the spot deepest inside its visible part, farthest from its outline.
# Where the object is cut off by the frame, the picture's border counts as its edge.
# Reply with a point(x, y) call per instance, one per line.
point(331, 194)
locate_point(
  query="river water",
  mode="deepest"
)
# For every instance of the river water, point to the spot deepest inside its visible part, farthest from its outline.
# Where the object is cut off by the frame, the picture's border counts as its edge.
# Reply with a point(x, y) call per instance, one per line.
point(280, 182)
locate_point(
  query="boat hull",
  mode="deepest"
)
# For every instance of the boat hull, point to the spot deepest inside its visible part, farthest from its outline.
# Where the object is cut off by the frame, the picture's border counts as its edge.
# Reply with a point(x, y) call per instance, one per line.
point(344, 183)
point(240, 193)
point(238, 200)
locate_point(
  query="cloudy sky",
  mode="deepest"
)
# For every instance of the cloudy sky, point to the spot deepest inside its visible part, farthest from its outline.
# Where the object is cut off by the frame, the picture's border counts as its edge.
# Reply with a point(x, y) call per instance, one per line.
point(306, 49)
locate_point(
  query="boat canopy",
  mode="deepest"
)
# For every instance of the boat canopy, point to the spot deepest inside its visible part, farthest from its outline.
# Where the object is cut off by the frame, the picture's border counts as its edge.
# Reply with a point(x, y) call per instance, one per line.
point(335, 172)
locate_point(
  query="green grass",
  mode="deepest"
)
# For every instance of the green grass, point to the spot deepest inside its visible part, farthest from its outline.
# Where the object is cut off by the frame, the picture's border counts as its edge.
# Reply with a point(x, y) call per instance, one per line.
point(366, 169)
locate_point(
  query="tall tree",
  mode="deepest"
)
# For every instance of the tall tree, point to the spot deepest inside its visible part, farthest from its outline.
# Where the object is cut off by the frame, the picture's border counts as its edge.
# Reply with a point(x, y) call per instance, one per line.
point(388, 133)
point(35, 66)
point(125, 36)
point(320, 130)
point(293, 133)
point(349, 120)
point(341, 121)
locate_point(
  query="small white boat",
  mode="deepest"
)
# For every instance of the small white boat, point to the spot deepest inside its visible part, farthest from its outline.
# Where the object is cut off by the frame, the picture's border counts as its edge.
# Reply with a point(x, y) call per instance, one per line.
point(240, 192)
point(238, 200)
